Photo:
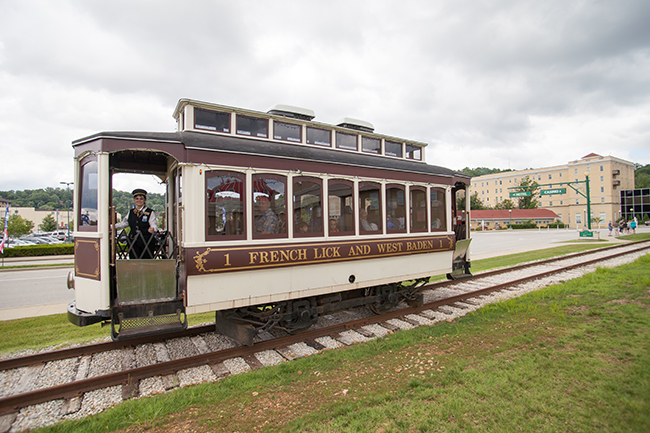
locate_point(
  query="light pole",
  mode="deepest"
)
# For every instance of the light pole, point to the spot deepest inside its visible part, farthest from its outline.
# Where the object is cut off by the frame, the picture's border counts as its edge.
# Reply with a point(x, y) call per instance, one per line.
point(632, 213)
point(510, 223)
point(68, 207)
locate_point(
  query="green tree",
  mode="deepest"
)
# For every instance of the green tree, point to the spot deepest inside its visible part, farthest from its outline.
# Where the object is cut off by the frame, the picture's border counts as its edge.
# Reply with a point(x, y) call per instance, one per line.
point(475, 203)
point(48, 224)
point(19, 226)
point(481, 171)
point(505, 204)
point(530, 201)
point(642, 176)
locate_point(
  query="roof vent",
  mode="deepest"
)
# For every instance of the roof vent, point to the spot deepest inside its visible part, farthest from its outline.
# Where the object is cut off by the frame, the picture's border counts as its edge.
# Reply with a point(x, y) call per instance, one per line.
point(359, 125)
point(291, 111)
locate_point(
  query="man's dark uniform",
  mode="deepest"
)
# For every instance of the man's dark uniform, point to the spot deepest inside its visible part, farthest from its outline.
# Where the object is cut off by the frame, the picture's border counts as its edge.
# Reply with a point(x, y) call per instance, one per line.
point(140, 236)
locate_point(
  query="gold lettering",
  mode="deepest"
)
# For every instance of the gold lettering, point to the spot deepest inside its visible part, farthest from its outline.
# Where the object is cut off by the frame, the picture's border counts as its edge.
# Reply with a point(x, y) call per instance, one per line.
point(316, 255)
point(227, 256)
point(274, 256)
point(285, 256)
point(264, 257)
point(253, 258)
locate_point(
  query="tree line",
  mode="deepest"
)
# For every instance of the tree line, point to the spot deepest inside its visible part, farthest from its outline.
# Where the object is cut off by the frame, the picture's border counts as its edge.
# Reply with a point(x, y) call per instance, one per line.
point(52, 199)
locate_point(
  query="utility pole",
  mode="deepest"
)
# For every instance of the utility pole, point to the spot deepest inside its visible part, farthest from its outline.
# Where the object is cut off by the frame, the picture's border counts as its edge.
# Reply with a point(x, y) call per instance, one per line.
point(67, 206)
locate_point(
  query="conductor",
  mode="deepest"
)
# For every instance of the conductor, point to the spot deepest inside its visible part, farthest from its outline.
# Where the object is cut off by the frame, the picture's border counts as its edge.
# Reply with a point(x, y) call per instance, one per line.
point(143, 221)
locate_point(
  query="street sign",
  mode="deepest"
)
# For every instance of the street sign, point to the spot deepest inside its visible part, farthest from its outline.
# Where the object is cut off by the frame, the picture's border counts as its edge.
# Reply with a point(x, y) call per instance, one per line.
point(520, 194)
point(586, 234)
point(553, 191)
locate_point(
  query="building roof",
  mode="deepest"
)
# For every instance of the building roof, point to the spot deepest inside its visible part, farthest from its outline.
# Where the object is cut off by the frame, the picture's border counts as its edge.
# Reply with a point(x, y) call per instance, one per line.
point(504, 214)
point(591, 155)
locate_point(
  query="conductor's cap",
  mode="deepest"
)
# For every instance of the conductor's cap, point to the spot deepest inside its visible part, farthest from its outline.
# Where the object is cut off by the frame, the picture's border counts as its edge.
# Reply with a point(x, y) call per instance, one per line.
point(139, 191)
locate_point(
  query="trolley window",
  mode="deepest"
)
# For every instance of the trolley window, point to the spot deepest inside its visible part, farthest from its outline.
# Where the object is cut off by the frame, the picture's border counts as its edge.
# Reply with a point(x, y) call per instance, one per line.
point(413, 152)
point(395, 209)
point(269, 196)
point(88, 211)
point(341, 200)
point(393, 149)
point(225, 205)
point(252, 126)
point(307, 207)
point(418, 205)
point(438, 218)
point(321, 137)
point(370, 220)
point(346, 141)
point(370, 145)
point(211, 120)
point(287, 131)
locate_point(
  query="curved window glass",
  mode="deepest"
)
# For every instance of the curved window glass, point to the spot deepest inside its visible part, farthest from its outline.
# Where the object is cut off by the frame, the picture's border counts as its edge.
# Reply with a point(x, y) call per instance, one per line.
point(395, 209)
point(225, 206)
point(370, 220)
point(88, 212)
point(307, 207)
point(418, 205)
point(340, 202)
point(270, 208)
point(438, 218)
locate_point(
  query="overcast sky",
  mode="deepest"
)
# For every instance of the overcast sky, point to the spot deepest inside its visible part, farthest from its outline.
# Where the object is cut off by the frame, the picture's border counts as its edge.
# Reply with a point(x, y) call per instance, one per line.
point(499, 84)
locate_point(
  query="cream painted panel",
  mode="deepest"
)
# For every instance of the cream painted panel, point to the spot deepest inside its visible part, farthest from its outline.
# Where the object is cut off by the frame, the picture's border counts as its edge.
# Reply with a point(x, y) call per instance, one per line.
point(238, 289)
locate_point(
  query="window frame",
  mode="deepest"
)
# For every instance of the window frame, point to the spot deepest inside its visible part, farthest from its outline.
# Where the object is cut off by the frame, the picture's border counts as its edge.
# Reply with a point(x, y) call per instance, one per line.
point(241, 176)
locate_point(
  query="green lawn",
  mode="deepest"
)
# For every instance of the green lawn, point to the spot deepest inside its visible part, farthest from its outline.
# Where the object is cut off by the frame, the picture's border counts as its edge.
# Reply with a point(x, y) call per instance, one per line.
point(573, 357)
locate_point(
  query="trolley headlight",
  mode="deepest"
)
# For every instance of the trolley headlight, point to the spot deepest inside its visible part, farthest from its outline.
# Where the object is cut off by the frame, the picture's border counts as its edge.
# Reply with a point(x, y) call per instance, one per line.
point(71, 280)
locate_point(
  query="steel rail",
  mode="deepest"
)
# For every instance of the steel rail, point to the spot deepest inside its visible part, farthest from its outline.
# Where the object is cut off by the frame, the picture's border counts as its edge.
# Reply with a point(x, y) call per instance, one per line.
point(130, 377)
point(55, 355)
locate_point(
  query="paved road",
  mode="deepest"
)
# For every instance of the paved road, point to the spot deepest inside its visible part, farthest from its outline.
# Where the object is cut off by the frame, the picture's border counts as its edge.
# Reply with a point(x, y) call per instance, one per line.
point(22, 288)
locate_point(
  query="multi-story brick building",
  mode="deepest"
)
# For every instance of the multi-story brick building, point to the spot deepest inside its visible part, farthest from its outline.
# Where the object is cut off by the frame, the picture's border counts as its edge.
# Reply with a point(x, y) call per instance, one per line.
point(608, 176)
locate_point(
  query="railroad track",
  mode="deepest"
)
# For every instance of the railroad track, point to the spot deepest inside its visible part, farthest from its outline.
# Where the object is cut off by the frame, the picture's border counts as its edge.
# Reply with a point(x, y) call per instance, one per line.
point(198, 354)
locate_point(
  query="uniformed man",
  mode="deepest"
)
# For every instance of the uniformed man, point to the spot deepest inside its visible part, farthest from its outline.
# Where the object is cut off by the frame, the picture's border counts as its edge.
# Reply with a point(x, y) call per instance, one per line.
point(143, 223)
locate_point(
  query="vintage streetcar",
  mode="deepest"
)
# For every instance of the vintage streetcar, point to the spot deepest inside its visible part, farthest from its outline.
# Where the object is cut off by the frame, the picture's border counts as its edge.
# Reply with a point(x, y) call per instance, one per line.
point(271, 219)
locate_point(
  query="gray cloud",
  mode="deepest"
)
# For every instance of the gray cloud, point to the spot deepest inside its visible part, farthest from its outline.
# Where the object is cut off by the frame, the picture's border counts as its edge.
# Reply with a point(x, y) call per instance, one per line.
point(495, 83)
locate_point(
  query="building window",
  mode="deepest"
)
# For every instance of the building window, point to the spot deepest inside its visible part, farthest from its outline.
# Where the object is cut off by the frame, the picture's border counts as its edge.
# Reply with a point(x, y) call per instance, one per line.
point(560, 174)
point(602, 168)
point(370, 145)
point(438, 220)
point(577, 201)
point(320, 137)
point(413, 152)
point(550, 203)
point(341, 207)
point(576, 171)
point(225, 210)
point(370, 208)
point(307, 209)
point(550, 176)
point(287, 131)
point(252, 126)
point(393, 149)
point(395, 208)
point(269, 198)
point(89, 193)
point(588, 169)
point(578, 218)
point(602, 199)
point(211, 120)
point(346, 141)
point(418, 204)
point(602, 189)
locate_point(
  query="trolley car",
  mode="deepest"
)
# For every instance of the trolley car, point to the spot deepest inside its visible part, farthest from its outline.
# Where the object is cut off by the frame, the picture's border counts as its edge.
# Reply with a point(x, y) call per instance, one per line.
point(271, 219)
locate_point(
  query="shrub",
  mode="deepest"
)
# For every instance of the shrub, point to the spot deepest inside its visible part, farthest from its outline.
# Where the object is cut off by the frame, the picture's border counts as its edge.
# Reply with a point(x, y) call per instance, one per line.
point(39, 250)
point(530, 224)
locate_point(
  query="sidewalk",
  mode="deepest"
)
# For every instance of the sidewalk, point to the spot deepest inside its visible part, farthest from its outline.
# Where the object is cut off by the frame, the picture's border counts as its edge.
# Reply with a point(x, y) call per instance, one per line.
point(32, 311)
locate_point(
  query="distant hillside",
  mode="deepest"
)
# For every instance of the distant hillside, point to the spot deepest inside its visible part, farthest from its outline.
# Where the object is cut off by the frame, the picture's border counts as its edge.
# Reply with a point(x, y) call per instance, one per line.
point(481, 171)
point(642, 177)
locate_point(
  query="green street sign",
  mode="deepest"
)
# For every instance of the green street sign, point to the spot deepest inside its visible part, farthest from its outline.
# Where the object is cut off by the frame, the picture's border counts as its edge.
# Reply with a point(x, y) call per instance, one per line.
point(553, 191)
point(520, 194)
point(586, 234)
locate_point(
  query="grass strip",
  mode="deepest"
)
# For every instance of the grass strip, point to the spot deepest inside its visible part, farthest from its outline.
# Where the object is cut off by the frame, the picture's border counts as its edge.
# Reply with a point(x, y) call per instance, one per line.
point(572, 357)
